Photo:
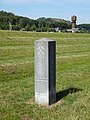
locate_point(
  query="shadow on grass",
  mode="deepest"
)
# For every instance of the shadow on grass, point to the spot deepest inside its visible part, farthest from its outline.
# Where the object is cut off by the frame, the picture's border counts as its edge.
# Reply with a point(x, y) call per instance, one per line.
point(66, 92)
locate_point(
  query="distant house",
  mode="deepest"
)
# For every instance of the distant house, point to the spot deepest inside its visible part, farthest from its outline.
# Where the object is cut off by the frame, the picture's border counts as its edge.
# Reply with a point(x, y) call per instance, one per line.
point(69, 30)
point(73, 30)
point(57, 29)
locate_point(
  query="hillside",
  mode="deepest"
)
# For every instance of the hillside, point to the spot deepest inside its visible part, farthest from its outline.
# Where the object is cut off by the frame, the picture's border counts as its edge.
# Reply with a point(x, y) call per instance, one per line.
point(10, 21)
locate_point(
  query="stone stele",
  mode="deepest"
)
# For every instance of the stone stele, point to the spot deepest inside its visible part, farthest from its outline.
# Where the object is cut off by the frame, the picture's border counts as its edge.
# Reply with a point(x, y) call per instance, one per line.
point(45, 71)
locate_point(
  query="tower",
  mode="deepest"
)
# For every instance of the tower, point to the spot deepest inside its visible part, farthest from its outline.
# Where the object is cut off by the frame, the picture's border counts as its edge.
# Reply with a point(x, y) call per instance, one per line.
point(74, 19)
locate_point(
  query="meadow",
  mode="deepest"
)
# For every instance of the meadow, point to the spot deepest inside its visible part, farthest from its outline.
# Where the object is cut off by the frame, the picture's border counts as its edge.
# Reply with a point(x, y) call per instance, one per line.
point(17, 77)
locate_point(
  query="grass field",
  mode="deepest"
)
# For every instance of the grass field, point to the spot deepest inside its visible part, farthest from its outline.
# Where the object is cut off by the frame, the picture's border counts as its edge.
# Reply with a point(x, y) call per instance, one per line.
point(17, 77)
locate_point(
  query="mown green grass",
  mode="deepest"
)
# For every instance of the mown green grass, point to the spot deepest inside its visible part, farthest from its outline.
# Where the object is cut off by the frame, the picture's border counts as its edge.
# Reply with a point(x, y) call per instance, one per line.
point(17, 77)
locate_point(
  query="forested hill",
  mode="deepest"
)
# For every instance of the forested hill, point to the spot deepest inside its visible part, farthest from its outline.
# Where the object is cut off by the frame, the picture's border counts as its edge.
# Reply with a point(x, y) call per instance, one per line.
point(14, 22)
point(10, 21)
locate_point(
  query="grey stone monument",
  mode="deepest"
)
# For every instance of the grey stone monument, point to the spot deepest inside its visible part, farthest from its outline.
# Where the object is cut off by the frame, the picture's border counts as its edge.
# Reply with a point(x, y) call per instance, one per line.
point(45, 71)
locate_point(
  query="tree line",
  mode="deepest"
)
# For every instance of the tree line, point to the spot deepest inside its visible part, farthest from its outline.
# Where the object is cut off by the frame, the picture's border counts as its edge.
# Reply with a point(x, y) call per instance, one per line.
point(84, 28)
point(9, 21)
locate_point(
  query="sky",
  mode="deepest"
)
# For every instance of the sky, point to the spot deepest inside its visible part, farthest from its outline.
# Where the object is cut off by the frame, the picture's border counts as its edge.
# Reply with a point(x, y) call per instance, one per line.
point(35, 9)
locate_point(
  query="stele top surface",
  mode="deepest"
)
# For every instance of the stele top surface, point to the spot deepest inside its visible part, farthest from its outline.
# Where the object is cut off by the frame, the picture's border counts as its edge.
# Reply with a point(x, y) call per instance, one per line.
point(45, 39)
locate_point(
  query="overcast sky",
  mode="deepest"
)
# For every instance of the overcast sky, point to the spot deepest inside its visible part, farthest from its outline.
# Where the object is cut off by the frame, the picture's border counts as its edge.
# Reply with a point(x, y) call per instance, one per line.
point(49, 8)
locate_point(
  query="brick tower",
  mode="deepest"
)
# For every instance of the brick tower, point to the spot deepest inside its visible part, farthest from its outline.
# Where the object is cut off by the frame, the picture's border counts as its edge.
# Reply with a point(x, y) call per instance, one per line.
point(74, 19)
